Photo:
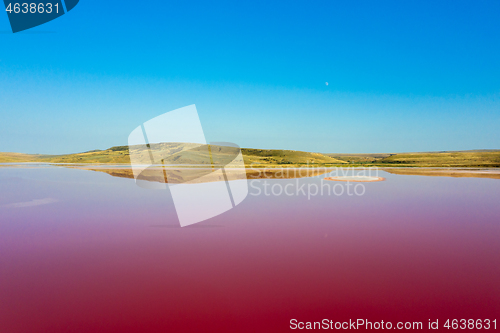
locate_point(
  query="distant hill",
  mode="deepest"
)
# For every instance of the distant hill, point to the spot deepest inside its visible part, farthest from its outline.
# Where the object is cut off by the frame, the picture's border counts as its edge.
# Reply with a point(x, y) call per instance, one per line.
point(359, 158)
point(487, 158)
point(287, 157)
point(188, 154)
point(194, 154)
point(17, 158)
point(476, 158)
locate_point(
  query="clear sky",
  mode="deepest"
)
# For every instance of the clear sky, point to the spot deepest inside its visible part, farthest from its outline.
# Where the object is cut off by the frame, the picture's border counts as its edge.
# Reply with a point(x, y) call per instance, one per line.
point(402, 75)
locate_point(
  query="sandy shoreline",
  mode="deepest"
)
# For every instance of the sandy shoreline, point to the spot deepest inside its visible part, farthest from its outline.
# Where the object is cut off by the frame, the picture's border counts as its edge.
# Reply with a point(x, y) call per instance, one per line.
point(125, 171)
point(355, 179)
point(446, 172)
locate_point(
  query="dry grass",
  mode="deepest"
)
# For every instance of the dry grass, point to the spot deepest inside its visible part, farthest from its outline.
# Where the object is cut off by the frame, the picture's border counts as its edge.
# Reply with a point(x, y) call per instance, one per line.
point(182, 154)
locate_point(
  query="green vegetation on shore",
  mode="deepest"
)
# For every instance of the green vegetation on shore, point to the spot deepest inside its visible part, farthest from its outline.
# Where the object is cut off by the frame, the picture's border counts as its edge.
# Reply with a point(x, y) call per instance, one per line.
point(272, 158)
point(454, 159)
point(189, 153)
point(469, 159)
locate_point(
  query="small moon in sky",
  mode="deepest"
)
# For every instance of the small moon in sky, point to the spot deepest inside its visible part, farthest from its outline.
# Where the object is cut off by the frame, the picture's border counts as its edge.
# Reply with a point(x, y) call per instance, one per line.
point(326, 83)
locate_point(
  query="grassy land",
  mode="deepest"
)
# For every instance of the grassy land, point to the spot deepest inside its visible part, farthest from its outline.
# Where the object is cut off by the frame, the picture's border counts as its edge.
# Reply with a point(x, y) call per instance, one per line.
point(359, 158)
point(181, 153)
point(192, 154)
point(287, 157)
point(458, 159)
point(17, 158)
point(471, 159)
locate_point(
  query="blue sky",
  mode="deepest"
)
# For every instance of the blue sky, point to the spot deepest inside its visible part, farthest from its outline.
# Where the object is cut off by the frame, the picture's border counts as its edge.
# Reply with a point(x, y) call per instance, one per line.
point(403, 75)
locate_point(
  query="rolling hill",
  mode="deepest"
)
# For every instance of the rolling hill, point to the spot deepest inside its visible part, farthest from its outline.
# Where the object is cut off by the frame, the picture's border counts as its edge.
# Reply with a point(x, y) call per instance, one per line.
point(183, 153)
point(449, 159)
point(179, 153)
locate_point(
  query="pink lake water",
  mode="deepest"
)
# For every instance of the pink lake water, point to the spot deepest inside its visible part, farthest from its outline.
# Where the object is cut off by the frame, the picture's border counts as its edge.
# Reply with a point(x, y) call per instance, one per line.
point(82, 251)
